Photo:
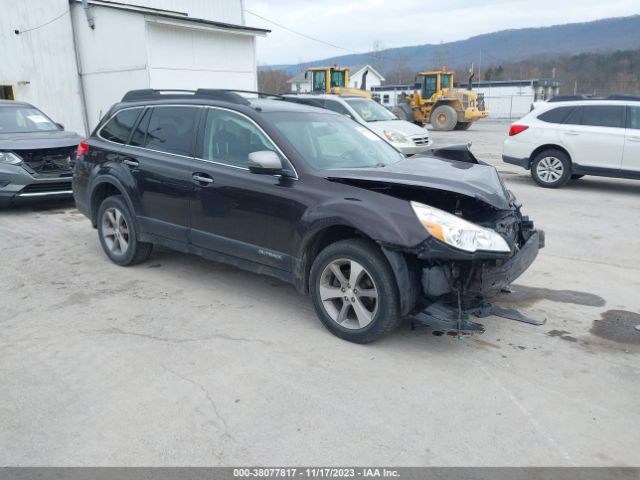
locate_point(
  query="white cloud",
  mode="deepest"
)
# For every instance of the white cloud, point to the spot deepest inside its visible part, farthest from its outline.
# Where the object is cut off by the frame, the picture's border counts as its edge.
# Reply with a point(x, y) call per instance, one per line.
point(356, 25)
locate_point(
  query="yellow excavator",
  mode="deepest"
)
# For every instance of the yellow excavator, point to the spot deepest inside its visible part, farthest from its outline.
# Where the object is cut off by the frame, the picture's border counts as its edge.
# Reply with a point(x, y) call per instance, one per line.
point(439, 103)
point(334, 80)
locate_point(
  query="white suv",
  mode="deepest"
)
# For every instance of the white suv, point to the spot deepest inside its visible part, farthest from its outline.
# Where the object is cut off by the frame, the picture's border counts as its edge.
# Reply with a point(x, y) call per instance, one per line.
point(563, 140)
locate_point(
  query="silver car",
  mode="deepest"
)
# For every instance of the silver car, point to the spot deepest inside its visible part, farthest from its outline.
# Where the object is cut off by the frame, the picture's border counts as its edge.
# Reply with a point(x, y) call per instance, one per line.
point(36, 155)
point(407, 137)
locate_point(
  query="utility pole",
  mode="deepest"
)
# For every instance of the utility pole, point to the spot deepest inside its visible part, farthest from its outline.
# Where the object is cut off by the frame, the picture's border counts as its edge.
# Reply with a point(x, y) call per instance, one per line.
point(480, 68)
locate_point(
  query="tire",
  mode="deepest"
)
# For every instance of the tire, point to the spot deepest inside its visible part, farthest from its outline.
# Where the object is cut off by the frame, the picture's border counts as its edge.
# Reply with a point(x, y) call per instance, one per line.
point(463, 126)
point(404, 112)
point(576, 177)
point(551, 169)
point(353, 315)
point(116, 229)
point(444, 118)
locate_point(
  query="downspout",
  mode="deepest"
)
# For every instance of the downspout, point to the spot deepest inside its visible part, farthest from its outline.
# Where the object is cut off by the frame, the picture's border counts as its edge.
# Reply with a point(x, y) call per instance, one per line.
point(83, 96)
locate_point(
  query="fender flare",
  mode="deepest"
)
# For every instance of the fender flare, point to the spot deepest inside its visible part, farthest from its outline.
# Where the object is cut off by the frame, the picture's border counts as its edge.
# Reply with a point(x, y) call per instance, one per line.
point(114, 181)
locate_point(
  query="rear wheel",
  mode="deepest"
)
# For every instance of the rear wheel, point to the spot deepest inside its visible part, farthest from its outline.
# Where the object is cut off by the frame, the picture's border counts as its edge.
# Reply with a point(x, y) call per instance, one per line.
point(444, 118)
point(117, 233)
point(551, 169)
point(354, 291)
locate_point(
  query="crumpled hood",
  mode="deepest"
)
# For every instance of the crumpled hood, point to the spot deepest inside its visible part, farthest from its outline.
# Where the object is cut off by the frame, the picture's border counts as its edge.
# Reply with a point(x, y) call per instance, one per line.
point(400, 126)
point(34, 140)
point(471, 179)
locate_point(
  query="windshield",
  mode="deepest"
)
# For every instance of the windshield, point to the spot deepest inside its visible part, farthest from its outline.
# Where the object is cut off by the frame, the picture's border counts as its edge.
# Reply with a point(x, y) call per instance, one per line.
point(328, 141)
point(369, 110)
point(24, 119)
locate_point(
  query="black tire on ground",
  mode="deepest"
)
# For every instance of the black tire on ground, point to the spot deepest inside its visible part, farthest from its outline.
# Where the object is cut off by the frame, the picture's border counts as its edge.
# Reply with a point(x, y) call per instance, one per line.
point(463, 125)
point(551, 168)
point(444, 118)
point(576, 177)
point(404, 112)
point(377, 277)
point(136, 251)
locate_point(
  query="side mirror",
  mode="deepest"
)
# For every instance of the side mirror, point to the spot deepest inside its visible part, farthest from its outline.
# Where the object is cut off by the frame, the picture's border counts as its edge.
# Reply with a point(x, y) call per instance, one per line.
point(265, 162)
point(60, 125)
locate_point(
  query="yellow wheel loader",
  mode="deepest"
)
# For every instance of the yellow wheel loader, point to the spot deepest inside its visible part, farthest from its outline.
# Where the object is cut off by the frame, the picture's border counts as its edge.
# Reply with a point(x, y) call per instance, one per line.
point(438, 103)
point(334, 80)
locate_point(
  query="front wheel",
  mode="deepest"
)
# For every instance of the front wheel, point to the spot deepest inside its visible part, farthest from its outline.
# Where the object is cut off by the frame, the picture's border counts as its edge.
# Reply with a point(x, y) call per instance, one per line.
point(551, 169)
point(354, 291)
point(444, 118)
point(117, 233)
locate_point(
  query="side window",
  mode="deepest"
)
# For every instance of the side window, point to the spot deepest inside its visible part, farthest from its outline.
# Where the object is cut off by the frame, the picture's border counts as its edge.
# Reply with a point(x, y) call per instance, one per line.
point(633, 117)
point(229, 138)
point(171, 129)
point(336, 107)
point(119, 127)
point(603, 116)
point(555, 115)
point(575, 117)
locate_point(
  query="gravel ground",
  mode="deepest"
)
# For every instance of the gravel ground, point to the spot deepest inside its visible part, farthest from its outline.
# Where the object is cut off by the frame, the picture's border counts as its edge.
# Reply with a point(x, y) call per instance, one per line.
point(181, 361)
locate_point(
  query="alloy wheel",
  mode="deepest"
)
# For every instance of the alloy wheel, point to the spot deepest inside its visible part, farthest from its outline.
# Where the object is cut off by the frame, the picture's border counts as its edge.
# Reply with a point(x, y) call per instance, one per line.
point(348, 293)
point(115, 231)
point(550, 169)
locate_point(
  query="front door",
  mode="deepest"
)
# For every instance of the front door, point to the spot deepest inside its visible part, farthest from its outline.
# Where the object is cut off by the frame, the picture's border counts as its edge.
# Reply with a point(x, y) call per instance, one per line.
point(234, 211)
point(631, 157)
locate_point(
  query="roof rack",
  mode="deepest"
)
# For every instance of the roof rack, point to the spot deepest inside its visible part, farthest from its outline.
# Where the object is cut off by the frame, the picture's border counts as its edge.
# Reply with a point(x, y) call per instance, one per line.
point(575, 98)
point(222, 95)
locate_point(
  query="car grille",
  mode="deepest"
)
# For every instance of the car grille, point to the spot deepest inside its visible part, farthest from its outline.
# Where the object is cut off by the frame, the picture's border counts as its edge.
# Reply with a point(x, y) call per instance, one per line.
point(50, 160)
point(46, 187)
point(419, 141)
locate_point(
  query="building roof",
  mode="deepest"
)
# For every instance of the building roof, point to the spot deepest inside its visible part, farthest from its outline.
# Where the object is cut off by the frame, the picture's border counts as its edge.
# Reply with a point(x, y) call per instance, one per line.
point(175, 15)
point(353, 70)
point(539, 82)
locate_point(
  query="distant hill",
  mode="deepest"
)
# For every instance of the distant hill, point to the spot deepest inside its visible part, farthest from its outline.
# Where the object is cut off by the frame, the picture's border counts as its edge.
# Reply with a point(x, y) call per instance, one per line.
point(506, 46)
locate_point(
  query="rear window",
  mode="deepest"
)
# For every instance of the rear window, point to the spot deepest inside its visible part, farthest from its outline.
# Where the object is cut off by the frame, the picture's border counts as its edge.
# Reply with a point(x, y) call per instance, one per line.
point(171, 129)
point(603, 116)
point(555, 115)
point(119, 127)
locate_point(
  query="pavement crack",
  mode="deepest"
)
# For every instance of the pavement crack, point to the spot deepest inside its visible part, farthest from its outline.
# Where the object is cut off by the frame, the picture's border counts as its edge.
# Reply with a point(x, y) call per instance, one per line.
point(219, 336)
point(209, 398)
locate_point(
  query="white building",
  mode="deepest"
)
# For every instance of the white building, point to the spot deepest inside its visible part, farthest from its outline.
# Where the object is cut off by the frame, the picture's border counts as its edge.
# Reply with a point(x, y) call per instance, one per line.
point(504, 98)
point(74, 62)
point(300, 84)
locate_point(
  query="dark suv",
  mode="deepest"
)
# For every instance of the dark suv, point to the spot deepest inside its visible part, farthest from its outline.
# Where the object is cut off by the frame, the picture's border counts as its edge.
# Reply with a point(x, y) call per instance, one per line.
point(308, 196)
point(36, 155)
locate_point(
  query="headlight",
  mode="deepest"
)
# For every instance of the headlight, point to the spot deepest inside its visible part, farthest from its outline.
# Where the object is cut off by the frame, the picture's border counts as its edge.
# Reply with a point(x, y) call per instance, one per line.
point(10, 158)
point(395, 136)
point(457, 232)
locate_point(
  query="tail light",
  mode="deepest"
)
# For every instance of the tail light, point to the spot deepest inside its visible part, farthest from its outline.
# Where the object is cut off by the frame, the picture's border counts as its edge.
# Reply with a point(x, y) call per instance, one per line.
point(516, 129)
point(83, 147)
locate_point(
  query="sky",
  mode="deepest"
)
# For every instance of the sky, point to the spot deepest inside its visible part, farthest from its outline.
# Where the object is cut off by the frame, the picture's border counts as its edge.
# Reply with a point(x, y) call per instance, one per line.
point(357, 25)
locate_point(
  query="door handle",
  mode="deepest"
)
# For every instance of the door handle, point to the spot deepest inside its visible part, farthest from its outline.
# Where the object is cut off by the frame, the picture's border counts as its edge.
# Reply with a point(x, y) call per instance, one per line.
point(634, 139)
point(571, 132)
point(202, 178)
point(130, 162)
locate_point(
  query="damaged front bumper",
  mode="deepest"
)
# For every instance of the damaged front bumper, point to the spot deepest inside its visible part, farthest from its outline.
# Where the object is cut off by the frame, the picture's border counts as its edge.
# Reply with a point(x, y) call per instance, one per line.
point(456, 291)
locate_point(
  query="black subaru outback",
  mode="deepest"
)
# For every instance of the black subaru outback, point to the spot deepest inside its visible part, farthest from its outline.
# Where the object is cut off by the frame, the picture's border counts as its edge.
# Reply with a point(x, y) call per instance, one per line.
point(308, 196)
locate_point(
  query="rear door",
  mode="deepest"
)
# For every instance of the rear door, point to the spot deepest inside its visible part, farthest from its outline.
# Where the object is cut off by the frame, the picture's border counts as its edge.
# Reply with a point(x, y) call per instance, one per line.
point(594, 135)
point(160, 164)
point(631, 156)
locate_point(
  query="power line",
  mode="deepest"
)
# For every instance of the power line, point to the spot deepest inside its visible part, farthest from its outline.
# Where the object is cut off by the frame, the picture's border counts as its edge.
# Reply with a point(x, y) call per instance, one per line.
point(299, 33)
point(18, 32)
